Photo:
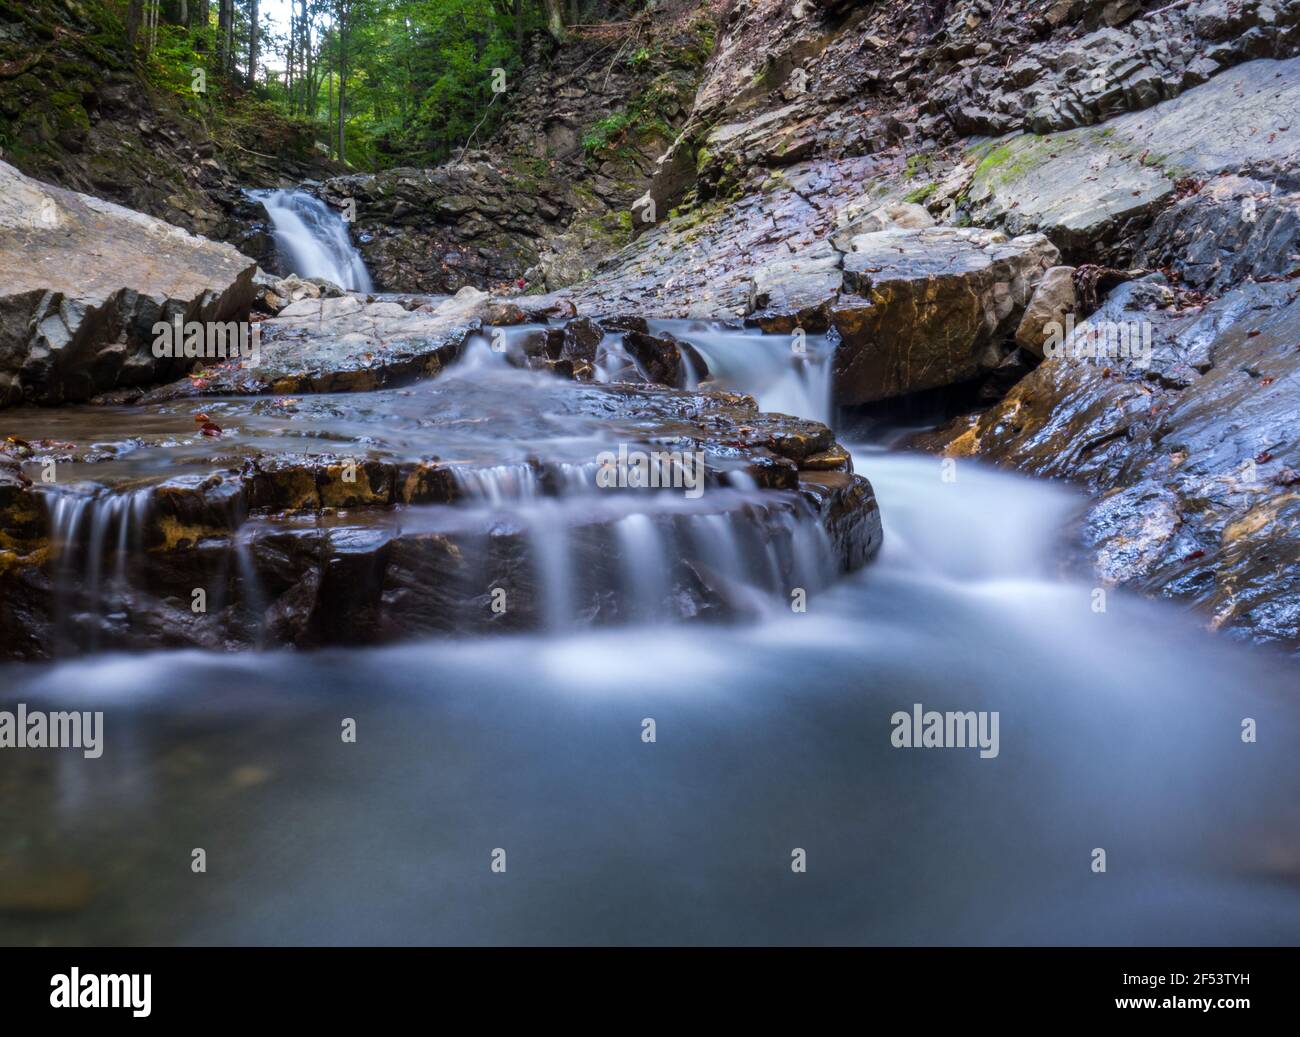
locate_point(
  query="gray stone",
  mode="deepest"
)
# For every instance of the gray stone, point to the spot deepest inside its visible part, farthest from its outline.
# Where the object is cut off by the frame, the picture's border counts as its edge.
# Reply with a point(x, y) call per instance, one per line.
point(83, 281)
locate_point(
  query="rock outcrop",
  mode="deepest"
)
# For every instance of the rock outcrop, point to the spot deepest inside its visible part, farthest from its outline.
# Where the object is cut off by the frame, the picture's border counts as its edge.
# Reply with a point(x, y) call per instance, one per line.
point(77, 109)
point(379, 516)
point(1095, 191)
point(1193, 454)
point(82, 283)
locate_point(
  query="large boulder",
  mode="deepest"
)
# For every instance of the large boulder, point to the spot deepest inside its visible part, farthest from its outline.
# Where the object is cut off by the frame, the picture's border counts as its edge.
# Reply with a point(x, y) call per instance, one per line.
point(929, 308)
point(83, 281)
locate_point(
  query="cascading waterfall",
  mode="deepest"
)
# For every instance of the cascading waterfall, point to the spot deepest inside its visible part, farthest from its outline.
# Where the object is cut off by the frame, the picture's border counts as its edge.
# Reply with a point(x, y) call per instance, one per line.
point(591, 554)
point(786, 374)
point(1132, 707)
point(313, 238)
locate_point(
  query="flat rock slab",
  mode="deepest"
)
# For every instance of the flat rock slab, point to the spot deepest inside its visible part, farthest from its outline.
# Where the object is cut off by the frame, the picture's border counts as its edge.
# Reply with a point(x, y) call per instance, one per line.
point(83, 281)
point(349, 343)
point(1084, 187)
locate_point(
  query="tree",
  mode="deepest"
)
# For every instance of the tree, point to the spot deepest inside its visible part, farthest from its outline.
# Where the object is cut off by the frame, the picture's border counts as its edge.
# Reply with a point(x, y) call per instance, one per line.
point(252, 42)
point(554, 17)
point(134, 16)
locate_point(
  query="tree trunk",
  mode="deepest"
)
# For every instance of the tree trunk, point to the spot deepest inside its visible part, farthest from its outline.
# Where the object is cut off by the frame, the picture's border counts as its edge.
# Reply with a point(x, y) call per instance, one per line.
point(252, 43)
point(305, 58)
point(134, 16)
point(554, 17)
point(223, 34)
point(201, 15)
point(290, 80)
point(343, 78)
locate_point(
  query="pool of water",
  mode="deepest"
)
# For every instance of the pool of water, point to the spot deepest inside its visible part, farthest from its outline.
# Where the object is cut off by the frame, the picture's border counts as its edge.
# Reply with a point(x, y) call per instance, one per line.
point(1119, 730)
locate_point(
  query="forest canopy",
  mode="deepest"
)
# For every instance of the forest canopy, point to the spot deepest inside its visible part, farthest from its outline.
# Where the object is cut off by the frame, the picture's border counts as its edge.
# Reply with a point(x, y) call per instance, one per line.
point(384, 82)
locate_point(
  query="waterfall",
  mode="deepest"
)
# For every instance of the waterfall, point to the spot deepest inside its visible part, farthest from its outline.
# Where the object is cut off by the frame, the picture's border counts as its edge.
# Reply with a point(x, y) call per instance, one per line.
point(313, 239)
point(784, 374)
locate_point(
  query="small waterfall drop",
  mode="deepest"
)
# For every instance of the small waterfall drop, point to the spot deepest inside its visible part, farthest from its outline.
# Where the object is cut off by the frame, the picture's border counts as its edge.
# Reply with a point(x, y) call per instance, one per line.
point(784, 373)
point(313, 238)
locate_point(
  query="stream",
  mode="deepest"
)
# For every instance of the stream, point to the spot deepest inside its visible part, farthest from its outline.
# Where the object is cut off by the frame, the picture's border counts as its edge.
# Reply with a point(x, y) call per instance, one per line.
point(1119, 730)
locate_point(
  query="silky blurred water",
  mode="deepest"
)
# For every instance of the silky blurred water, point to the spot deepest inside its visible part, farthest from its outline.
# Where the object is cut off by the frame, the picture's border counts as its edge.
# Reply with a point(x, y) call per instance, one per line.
point(313, 239)
point(1119, 730)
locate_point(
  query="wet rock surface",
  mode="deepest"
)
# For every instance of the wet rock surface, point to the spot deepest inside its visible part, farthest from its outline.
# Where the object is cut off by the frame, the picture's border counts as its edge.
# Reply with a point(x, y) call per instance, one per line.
point(904, 181)
point(1089, 189)
point(1193, 455)
point(1131, 143)
point(82, 283)
point(374, 516)
point(791, 82)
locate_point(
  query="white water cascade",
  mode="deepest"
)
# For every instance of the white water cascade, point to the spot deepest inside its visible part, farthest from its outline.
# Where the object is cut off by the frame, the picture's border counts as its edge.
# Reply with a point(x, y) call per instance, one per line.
point(313, 238)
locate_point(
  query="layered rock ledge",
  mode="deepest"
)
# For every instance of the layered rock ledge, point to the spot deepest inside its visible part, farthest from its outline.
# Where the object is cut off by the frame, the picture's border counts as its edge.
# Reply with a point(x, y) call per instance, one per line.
point(82, 283)
point(371, 517)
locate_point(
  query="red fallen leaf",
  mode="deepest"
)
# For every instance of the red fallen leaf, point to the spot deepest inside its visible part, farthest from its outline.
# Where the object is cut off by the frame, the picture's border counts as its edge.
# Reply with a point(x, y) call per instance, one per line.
point(522, 284)
point(199, 383)
point(1263, 458)
point(210, 428)
point(1251, 334)
point(1194, 555)
point(1266, 380)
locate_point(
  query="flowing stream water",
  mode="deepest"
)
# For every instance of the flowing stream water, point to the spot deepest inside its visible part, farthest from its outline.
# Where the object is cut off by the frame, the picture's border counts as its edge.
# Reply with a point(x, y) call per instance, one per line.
point(1119, 730)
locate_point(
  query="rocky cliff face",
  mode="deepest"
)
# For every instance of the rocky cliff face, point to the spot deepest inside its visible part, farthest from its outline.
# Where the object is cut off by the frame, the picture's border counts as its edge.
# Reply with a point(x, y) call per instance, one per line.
point(86, 281)
point(908, 175)
point(550, 194)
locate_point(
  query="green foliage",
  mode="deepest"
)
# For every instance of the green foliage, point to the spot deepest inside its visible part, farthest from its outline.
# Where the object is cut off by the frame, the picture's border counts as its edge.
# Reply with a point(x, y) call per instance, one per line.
point(179, 53)
point(647, 115)
point(606, 134)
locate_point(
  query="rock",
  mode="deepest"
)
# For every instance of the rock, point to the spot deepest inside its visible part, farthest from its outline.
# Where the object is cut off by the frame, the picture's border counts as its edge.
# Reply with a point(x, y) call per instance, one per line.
point(1053, 299)
point(1190, 455)
point(927, 308)
point(905, 215)
point(85, 280)
point(1231, 229)
point(1096, 188)
point(366, 518)
point(346, 344)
